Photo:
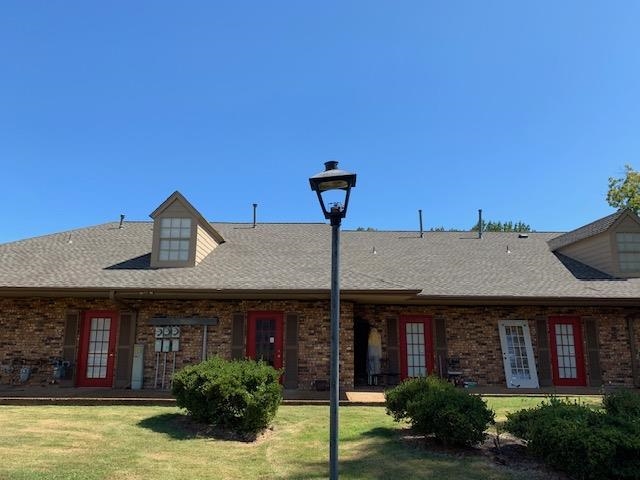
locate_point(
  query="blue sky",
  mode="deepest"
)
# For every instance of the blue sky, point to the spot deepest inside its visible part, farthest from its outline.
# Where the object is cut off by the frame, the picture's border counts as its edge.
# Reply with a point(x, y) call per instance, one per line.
point(521, 109)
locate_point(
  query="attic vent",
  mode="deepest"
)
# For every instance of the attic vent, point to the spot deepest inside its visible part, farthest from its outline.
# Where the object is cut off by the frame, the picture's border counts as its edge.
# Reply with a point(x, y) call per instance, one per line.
point(523, 235)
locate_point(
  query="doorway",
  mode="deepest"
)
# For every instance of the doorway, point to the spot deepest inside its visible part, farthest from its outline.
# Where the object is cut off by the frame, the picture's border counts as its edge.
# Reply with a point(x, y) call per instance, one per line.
point(567, 354)
point(96, 354)
point(517, 354)
point(264, 337)
point(416, 346)
point(360, 343)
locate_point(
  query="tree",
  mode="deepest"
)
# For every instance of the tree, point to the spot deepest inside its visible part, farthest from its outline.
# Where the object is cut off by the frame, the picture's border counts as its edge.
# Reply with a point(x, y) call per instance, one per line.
point(509, 226)
point(625, 192)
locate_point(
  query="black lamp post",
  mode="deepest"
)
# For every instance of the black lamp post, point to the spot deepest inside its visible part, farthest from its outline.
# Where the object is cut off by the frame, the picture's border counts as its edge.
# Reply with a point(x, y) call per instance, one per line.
point(334, 181)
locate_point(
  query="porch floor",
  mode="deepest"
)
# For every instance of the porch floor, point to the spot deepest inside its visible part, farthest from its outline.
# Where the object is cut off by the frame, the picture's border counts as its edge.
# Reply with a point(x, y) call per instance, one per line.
point(58, 395)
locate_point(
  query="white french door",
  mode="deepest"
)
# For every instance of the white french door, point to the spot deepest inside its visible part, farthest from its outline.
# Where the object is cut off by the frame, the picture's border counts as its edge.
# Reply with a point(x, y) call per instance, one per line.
point(517, 354)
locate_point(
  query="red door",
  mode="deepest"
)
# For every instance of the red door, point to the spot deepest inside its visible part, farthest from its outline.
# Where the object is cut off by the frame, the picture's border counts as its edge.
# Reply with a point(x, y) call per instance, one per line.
point(416, 346)
point(264, 337)
point(97, 349)
point(567, 357)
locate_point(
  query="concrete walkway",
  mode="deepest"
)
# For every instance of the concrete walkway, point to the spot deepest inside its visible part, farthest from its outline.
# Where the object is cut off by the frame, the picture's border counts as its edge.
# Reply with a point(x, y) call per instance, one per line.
point(63, 395)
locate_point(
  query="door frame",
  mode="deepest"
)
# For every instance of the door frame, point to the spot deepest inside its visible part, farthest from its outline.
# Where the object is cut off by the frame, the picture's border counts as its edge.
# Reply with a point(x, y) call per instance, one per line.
point(533, 381)
point(581, 377)
point(83, 349)
point(252, 316)
point(426, 320)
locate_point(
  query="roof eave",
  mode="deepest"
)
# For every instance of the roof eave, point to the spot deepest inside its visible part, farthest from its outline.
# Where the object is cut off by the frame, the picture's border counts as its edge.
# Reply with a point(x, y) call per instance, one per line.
point(392, 296)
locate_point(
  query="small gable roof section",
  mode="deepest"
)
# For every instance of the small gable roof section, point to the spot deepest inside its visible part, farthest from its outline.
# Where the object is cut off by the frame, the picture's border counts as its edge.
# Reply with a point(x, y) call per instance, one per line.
point(597, 245)
point(202, 238)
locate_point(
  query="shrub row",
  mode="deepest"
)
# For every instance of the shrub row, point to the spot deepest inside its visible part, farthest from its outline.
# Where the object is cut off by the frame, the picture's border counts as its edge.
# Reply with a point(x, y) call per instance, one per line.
point(435, 407)
point(239, 396)
point(584, 442)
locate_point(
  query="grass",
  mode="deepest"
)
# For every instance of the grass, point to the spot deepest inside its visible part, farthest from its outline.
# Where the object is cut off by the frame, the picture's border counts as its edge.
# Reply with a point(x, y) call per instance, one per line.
point(132, 443)
point(504, 404)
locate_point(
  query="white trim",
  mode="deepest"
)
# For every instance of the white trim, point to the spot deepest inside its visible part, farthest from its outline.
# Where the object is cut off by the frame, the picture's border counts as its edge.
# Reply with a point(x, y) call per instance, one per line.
point(527, 377)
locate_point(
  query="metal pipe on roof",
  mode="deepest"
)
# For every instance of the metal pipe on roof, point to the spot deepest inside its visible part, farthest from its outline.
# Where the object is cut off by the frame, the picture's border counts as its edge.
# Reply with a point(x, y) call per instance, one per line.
point(255, 208)
point(479, 223)
point(421, 230)
point(121, 220)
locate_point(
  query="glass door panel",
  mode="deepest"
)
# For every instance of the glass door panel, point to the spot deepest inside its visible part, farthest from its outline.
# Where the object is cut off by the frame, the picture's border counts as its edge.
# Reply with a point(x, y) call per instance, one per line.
point(416, 346)
point(96, 352)
point(567, 359)
point(517, 354)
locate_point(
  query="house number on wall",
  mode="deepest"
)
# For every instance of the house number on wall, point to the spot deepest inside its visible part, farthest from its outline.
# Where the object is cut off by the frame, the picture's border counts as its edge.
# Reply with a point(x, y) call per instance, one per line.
point(167, 338)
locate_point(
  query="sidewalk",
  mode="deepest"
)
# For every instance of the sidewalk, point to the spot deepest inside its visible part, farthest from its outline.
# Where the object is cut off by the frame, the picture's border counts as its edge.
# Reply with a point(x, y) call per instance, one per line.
point(63, 395)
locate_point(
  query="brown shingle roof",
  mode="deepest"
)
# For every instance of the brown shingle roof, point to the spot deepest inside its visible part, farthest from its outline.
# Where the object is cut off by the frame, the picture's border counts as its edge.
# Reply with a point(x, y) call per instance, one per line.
point(296, 257)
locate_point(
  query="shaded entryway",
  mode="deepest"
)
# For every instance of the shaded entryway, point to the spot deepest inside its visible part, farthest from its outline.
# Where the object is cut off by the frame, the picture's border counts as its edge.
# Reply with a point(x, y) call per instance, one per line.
point(360, 343)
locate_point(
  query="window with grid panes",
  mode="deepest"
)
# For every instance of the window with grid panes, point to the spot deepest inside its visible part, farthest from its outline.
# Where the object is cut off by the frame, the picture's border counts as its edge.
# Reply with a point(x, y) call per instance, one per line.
point(175, 239)
point(628, 251)
point(566, 351)
point(416, 361)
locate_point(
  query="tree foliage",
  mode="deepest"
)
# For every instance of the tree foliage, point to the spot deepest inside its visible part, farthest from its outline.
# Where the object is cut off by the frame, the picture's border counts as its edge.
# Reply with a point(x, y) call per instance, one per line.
point(509, 226)
point(368, 229)
point(625, 192)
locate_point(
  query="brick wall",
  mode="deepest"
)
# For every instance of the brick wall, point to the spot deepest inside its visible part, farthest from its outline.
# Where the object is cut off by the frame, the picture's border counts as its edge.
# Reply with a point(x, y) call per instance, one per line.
point(32, 332)
point(473, 336)
point(32, 329)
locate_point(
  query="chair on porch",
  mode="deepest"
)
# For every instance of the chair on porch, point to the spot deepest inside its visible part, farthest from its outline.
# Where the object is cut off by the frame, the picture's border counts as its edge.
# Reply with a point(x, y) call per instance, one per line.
point(454, 372)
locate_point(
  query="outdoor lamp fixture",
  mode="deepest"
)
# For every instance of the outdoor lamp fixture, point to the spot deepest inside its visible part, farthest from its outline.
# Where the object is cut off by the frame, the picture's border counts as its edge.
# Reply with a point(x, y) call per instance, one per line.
point(331, 180)
point(329, 183)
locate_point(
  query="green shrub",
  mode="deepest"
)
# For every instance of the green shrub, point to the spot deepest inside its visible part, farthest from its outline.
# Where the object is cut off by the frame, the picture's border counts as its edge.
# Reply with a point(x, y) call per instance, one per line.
point(240, 396)
point(398, 397)
point(622, 403)
point(435, 407)
point(583, 442)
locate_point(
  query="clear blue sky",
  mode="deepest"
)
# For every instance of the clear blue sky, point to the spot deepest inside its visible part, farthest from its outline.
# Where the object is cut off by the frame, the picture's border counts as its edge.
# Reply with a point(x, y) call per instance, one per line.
point(523, 109)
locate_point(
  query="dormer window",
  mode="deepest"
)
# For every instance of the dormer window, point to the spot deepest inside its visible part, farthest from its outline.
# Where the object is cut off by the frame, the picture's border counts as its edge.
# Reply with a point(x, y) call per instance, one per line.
point(628, 251)
point(175, 238)
point(181, 235)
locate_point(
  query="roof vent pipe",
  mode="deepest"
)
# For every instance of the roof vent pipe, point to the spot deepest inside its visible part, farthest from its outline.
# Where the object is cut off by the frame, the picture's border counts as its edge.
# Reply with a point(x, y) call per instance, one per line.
point(121, 220)
point(479, 223)
point(421, 230)
point(255, 208)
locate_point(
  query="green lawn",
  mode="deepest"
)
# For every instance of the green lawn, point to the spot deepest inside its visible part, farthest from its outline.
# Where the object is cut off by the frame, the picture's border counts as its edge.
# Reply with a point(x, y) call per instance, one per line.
point(502, 405)
point(124, 442)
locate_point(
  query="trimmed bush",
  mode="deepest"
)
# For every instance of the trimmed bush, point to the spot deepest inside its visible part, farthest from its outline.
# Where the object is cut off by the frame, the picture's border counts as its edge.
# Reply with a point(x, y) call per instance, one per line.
point(435, 407)
point(585, 443)
point(398, 397)
point(622, 403)
point(239, 396)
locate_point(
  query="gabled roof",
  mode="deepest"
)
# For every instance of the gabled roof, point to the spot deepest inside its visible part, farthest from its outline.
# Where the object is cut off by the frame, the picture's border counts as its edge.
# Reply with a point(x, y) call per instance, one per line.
point(178, 197)
point(587, 231)
point(293, 259)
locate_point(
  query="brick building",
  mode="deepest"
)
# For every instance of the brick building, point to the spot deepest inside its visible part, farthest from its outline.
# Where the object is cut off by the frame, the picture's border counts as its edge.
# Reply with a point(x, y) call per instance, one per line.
point(125, 304)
